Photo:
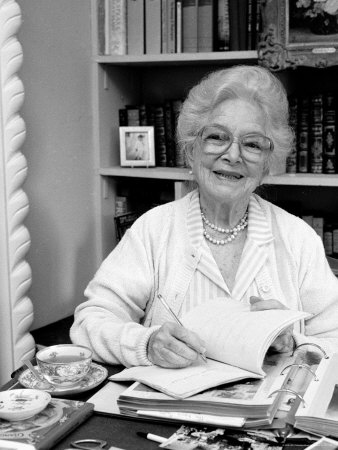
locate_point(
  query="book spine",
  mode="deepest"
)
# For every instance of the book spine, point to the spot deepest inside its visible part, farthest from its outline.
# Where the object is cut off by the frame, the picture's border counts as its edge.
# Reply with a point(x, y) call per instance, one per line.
point(133, 115)
point(316, 134)
point(258, 23)
point(233, 25)
point(179, 155)
point(169, 133)
point(164, 26)
point(153, 27)
point(318, 226)
point(329, 134)
point(117, 24)
point(242, 24)
point(101, 26)
point(178, 26)
point(135, 27)
point(205, 26)
point(189, 15)
point(223, 32)
point(250, 18)
point(171, 26)
point(160, 138)
point(291, 160)
point(303, 135)
point(123, 117)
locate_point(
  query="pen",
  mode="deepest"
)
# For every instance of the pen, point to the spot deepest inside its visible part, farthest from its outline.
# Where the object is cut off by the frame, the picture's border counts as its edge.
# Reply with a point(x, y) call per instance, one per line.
point(152, 437)
point(165, 304)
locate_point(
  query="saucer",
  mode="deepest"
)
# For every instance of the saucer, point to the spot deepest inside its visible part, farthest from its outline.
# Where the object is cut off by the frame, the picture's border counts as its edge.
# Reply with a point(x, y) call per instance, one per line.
point(96, 375)
point(21, 404)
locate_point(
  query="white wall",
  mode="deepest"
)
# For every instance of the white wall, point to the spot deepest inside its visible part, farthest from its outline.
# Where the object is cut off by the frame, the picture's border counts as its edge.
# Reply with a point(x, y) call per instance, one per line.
point(56, 72)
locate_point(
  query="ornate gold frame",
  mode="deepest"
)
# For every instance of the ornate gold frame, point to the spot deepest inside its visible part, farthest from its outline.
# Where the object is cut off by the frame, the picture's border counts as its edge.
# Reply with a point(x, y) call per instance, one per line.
point(280, 46)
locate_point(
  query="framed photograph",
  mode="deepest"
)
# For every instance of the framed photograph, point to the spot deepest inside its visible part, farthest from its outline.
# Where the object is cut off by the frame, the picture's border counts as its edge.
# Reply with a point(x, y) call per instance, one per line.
point(299, 33)
point(137, 147)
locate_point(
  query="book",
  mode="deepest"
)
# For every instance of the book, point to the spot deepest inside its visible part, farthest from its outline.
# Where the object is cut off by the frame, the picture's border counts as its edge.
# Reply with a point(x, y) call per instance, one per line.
point(176, 106)
point(242, 24)
point(164, 26)
point(160, 137)
point(169, 133)
point(153, 27)
point(189, 25)
point(101, 26)
point(116, 27)
point(223, 34)
point(291, 160)
point(45, 429)
point(205, 26)
point(234, 25)
point(135, 27)
point(303, 135)
point(171, 26)
point(236, 342)
point(316, 134)
point(178, 26)
point(240, 404)
point(329, 134)
point(123, 222)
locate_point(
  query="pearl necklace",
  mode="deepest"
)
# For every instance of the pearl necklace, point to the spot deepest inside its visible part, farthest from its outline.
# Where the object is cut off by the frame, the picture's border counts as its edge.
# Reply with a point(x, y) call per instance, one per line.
point(232, 233)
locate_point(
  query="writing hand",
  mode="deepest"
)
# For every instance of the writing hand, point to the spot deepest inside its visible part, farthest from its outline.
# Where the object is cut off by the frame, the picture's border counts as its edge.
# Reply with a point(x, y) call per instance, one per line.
point(174, 346)
point(284, 342)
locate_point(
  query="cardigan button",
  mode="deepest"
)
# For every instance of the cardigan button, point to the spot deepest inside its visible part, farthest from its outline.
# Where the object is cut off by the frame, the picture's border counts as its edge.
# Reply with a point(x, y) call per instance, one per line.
point(266, 288)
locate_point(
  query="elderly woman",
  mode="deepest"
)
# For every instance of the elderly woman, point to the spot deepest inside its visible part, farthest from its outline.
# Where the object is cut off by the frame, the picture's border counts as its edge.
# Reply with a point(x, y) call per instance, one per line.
point(220, 241)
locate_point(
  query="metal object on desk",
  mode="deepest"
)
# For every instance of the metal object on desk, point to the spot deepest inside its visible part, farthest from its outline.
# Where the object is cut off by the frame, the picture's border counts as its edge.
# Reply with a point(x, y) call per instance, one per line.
point(89, 444)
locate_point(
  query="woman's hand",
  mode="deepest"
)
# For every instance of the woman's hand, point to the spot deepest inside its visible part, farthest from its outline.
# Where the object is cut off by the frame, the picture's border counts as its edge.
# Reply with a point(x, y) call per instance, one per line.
point(174, 346)
point(285, 341)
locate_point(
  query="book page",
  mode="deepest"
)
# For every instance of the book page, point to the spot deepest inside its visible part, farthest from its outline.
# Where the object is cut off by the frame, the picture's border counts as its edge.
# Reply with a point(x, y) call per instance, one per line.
point(236, 336)
point(182, 383)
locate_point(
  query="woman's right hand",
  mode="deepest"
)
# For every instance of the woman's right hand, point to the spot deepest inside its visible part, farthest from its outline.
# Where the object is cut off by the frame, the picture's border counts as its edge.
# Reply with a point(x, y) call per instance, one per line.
point(174, 346)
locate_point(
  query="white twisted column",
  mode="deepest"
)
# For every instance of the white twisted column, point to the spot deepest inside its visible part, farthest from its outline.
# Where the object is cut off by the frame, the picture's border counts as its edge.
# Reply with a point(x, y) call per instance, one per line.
point(16, 309)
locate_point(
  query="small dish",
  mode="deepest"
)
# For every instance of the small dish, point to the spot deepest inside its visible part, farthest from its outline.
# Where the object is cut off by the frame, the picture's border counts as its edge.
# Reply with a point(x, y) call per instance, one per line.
point(21, 404)
point(96, 375)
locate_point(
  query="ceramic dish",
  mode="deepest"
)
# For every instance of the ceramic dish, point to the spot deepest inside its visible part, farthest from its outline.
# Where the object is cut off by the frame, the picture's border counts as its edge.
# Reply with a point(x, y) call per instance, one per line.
point(96, 375)
point(21, 404)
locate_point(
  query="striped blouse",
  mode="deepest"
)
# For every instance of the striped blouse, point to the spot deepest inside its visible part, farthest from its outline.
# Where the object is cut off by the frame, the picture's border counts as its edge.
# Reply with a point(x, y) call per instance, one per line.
point(207, 283)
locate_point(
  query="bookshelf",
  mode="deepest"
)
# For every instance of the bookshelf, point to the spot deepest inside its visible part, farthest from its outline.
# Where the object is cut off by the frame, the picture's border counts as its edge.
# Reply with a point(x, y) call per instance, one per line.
point(138, 79)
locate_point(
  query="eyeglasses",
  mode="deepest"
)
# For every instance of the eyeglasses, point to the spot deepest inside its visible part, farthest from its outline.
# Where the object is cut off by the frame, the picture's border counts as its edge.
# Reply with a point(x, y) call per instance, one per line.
point(217, 140)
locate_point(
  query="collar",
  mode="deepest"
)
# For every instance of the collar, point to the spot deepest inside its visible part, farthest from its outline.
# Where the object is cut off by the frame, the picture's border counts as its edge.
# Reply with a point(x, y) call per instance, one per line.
point(259, 229)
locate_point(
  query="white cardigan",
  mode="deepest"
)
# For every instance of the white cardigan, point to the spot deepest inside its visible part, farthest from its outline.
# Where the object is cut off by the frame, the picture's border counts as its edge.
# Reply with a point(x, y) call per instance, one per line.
point(156, 255)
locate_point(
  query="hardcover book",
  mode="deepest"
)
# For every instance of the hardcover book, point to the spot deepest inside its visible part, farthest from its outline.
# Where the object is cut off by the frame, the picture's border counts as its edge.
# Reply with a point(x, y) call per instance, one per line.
point(189, 25)
point(135, 27)
point(205, 26)
point(45, 429)
point(116, 27)
point(153, 27)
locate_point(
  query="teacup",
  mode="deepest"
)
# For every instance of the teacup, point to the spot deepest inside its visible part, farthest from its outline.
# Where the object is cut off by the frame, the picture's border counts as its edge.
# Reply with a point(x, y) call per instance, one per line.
point(65, 364)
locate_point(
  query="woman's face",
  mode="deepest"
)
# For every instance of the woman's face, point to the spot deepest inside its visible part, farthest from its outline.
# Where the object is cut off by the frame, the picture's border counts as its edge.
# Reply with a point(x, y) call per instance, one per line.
point(230, 177)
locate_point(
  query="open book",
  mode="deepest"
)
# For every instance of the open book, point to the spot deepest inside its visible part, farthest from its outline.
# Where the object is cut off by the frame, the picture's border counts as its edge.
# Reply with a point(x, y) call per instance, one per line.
point(236, 340)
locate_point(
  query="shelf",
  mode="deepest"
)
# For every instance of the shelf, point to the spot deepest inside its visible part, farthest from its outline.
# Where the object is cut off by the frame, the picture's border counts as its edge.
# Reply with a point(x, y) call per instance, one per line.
point(181, 174)
point(230, 57)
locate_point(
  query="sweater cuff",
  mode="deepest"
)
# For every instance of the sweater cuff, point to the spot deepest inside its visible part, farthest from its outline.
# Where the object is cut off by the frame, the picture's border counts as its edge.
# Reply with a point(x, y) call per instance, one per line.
point(141, 351)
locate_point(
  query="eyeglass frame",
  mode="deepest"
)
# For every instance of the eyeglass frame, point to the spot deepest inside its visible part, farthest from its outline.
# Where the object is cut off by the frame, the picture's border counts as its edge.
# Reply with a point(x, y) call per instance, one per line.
point(232, 140)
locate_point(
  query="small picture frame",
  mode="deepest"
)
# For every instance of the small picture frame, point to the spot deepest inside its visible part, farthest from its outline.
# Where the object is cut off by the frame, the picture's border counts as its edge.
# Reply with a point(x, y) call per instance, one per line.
point(137, 146)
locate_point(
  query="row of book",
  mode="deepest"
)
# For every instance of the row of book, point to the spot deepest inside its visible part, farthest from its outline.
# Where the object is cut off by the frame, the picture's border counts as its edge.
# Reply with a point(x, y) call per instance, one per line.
point(163, 118)
point(314, 120)
point(137, 27)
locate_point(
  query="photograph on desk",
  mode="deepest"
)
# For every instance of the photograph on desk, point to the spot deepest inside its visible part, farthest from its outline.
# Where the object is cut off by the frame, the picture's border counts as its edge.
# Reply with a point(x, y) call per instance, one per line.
point(193, 438)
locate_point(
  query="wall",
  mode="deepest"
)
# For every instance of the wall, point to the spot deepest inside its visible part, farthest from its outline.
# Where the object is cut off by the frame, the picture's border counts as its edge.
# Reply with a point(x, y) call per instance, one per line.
point(56, 72)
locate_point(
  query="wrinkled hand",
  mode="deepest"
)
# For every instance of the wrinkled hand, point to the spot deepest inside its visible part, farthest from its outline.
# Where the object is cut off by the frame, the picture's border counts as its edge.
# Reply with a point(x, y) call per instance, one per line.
point(284, 342)
point(174, 346)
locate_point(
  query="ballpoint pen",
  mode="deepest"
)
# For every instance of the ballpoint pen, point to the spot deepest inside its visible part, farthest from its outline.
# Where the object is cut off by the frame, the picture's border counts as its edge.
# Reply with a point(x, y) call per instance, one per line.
point(165, 304)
